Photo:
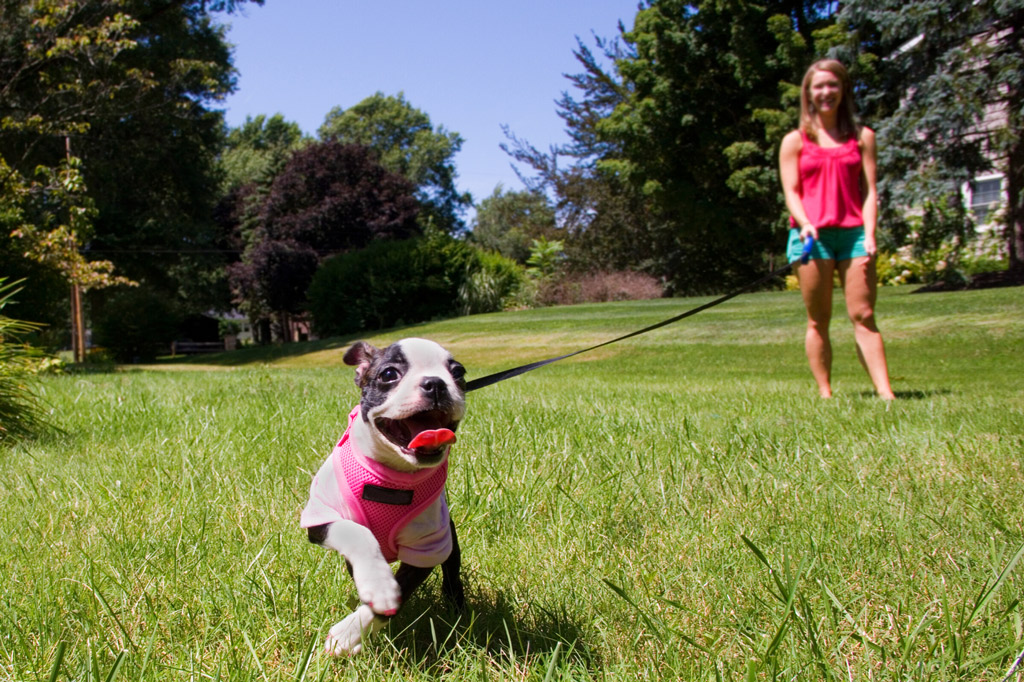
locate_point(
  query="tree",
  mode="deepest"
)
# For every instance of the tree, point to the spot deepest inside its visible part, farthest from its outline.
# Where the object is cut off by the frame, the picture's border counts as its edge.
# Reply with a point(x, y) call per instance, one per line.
point(948, 91)
point(105, 79)
point(672, 161)
point(329, 198)
point(407, 143)
point(50, 217)
point(161, 231)
point(507, 222)
point(256, 151)
point(272, 280)
point(694, 76)
point(605, 222)
point(254, 154)
point(44, 98)
point(336, 197)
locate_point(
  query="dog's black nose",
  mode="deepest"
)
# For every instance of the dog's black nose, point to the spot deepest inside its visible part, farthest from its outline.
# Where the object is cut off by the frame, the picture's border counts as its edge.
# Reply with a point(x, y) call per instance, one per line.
point(435, 388)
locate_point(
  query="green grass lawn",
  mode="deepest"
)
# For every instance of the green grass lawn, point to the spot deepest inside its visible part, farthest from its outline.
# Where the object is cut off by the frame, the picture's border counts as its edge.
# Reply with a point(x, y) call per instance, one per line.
point(677, 506)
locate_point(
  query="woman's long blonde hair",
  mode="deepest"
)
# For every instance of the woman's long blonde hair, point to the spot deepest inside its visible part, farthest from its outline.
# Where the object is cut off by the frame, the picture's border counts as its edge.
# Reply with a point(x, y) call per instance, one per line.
point(846, 120)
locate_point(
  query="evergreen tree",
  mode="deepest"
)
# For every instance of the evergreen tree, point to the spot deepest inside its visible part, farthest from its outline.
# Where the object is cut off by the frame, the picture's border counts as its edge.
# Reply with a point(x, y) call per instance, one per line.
point(673, 153)
point(107, 144)
point(698, 74)
point(947, 88)
point(605, 222)
point(255, 151)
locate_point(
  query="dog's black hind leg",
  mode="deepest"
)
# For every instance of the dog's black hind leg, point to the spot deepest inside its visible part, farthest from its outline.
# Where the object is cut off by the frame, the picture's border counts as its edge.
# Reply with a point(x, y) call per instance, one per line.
point(451, 580)
point(410, 577)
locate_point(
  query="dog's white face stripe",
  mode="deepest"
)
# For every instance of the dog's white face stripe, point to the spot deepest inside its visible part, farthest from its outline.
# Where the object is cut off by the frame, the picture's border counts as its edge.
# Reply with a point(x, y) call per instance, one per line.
point(411, 387)
point(425, 359)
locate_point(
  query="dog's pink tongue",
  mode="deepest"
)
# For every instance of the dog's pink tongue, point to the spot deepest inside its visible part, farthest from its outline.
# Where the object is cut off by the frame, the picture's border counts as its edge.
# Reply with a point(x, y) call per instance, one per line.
point(434, 438)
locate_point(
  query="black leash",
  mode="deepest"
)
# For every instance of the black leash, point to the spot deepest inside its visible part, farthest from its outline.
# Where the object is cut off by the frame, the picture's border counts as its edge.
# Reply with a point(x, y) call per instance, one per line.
point(523, 369)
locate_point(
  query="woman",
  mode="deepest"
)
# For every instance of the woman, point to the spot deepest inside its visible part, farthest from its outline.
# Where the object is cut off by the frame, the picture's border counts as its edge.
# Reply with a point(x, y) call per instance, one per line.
point(828, 176)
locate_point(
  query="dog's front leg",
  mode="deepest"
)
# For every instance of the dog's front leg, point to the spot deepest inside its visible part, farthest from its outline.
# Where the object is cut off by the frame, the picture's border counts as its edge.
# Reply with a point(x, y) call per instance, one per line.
point(378, 590)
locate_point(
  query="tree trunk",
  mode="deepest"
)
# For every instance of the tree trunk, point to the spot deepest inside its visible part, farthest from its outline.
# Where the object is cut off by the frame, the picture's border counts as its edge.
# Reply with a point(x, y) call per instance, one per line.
point(79, 331)
point(285, 322)
point(1015, 206)
point(1014, 41)
point(77, 353)
point(263, 328)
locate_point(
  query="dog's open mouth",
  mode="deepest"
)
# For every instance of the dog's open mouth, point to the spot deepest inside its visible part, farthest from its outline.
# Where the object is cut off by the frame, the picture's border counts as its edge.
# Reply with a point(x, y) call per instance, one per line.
point(424, 434)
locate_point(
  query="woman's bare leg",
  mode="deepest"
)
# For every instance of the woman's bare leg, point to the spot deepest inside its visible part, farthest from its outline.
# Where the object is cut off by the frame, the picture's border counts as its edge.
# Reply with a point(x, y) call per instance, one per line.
point(860, 285)
point(816, 287)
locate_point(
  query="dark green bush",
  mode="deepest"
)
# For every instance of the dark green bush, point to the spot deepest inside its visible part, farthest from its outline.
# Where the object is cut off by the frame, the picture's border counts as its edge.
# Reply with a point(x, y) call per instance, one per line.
point(136, 325)
point(391, 283)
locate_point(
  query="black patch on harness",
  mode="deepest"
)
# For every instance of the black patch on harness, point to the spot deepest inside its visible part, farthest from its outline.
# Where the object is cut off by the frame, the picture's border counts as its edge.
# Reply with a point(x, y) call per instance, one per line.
point(397, 497)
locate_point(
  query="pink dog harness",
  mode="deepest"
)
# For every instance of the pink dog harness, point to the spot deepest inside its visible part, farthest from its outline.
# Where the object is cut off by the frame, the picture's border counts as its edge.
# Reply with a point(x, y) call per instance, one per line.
point(382, 499)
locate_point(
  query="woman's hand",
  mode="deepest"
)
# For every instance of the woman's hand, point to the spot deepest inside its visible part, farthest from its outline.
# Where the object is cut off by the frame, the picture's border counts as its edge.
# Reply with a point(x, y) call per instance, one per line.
point(870, 246)
point(808, 230)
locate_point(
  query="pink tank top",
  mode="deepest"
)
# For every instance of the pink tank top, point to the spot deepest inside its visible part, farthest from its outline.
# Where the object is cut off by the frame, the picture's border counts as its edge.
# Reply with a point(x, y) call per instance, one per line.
point(830, 184)
point(382, 499)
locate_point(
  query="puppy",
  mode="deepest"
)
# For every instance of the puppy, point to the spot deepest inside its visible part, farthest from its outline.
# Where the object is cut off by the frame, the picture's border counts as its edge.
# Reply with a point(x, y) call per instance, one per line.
point(379, 497)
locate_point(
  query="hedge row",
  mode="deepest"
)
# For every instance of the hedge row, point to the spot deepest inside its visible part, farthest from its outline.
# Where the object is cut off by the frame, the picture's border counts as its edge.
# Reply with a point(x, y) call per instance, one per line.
point(393, 283)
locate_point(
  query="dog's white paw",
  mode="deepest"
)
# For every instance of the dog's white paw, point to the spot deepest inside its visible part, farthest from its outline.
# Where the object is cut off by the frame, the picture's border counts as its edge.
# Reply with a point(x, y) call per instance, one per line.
point(379, 590)
point(347, 636)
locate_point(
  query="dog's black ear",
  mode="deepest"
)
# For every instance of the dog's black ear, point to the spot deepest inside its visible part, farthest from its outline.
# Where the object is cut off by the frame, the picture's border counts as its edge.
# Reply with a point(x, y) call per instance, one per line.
point(360, 355)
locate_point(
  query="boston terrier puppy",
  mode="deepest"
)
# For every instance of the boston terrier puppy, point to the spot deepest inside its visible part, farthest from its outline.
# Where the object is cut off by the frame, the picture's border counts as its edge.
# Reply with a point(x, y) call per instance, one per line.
point(379, 497)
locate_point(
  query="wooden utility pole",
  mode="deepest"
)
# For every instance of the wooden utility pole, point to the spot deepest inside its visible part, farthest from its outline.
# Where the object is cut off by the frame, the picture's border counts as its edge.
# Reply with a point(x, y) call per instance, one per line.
point(77, 323)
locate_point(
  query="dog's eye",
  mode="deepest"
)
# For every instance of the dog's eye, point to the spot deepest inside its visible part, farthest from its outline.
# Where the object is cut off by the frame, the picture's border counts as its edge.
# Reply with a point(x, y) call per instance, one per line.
point(458, 371)
point(388, 375)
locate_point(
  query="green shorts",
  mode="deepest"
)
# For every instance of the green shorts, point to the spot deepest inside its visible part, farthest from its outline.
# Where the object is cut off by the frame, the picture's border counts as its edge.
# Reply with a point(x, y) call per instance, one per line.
point(833, 243)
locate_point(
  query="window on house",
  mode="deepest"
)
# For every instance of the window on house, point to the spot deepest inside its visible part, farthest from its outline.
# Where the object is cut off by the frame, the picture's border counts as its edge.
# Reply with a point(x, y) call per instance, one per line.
point(985, 197)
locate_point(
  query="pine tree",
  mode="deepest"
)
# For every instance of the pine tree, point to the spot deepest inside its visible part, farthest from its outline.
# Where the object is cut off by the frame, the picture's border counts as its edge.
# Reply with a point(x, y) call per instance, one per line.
point(948, 94)
point(681, 134)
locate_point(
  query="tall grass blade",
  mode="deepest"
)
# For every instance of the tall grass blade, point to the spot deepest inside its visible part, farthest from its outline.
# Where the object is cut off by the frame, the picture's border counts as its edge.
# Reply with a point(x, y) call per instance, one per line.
point(55, 670)
point(1016, 665)
point(300, 673)
point(116, 668)
point(149, 652)
point(626, 598)
point(987, 595)
point(255, 656)
point(550, 675)
point(781, 596)
point(106, 605)
point(21, 411)
point(865, 638)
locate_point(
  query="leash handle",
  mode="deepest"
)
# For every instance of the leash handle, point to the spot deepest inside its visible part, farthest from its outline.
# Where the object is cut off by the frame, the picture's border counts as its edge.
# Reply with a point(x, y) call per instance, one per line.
point(805, 255)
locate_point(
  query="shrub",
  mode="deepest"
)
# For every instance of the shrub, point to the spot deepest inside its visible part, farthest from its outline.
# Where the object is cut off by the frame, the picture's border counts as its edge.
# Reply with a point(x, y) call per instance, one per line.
point(599, 287)
point(21, 413)
point(491, 284)
point(946, 263)
point(897, 268)
point(136, 325)
point(390, 283)
point(943, 248)
point(987, 253)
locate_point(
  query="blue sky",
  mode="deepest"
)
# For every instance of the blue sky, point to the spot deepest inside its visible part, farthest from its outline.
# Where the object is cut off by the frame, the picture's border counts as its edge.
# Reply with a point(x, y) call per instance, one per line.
point(471, 65)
